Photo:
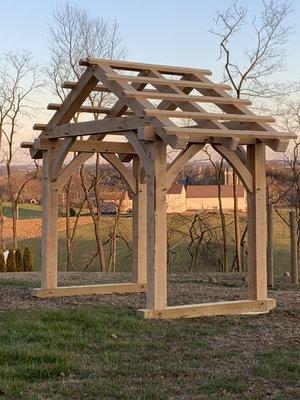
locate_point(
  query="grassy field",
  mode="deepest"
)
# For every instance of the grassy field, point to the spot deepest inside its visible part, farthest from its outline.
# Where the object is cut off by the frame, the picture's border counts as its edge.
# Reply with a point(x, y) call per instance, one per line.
point(207, 259)
point(26, 211)
point(96, 348)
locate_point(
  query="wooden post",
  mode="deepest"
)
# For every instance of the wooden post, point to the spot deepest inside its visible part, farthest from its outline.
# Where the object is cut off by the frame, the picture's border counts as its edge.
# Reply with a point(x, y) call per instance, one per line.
point(157, 226)
point(257, 224)
point(139, 224)
point(294, 252)
point(49, 224)
point(270, 247)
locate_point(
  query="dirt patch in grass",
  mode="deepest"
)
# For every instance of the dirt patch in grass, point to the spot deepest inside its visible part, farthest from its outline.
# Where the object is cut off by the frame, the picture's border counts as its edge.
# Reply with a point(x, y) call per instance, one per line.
point(95, 347)
point(29, 228)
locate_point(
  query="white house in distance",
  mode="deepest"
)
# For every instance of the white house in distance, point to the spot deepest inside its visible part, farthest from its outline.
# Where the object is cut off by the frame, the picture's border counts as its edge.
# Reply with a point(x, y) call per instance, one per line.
point(203, 197)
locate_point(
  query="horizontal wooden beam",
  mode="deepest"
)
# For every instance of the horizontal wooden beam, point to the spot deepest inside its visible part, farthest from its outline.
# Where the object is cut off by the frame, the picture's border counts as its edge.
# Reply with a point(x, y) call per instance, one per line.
point(136, 66)
point(209, 116)
point(201, 134)
point(211, 309)
point(26, 145)
point(87, 109)
point(83, 146)
point(93, 146)
point(155, 95)
point(88, 290)
point(105, 125)
point(167, 82)
point(39, 127)
point(97, 88)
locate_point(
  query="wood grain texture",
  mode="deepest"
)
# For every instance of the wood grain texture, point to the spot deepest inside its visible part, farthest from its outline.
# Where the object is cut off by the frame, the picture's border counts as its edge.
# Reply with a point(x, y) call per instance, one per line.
point(88, 290)
point(238, 307)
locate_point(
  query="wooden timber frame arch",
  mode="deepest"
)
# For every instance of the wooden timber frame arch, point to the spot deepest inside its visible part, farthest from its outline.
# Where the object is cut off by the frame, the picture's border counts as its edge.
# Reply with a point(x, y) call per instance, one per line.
point(151, 99)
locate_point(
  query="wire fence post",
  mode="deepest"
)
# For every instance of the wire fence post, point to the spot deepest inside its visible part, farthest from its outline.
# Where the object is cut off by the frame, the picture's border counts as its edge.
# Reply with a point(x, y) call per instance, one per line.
point(294, 251)
point(270, 246)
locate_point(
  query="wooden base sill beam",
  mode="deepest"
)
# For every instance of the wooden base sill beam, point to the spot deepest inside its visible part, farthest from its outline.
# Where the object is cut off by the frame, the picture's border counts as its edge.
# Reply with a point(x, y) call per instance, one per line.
point(238, 307)
point(87, 290)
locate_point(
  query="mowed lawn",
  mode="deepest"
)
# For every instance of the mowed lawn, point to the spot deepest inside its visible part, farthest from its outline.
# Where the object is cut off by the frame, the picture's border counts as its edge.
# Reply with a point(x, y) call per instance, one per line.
point(207, 260)
point(26, 211)
point(81, 348)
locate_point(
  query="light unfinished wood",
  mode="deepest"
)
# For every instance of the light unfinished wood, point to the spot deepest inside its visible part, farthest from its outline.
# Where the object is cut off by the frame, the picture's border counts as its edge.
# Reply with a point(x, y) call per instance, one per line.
point(87, 128)
point(195, 133)
point(87, 109)
point(139, 224)
point(49, 224)
point(157, 95)
point(116, 111)
point(61, 154)
point(84, 146)
point(166, 82)
point(229, 143)
point(97, 88)
point(138, 105)
point(278, 144)
point(39, 127)
point(137, 66)
point(89, 290)
point(238, 307)
point(139, 149)
point(152, 130)
point(146, 133)
point(184, 106)
point(257, 223)
point(74, 100)
point(157, 226)
point(122, 169)
point(237, 164)
point(209, 116)
point(180, 161)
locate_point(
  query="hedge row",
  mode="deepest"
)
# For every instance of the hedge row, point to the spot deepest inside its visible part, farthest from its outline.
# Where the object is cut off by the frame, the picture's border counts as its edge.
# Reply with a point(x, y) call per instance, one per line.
point(15, 262)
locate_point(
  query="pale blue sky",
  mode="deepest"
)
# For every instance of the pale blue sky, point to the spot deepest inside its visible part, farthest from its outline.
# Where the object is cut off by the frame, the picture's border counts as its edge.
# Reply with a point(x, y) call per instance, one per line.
point(158, 31)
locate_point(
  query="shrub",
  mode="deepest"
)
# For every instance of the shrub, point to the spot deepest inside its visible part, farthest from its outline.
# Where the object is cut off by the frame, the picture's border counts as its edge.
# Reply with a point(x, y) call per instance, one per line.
point(27, 259)
point(19, 261)
point(11, 261)
point(2, 262)
point(72, 212)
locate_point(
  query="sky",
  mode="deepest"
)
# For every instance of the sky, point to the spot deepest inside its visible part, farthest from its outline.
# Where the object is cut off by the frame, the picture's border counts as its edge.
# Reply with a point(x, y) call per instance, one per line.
point(173, 32)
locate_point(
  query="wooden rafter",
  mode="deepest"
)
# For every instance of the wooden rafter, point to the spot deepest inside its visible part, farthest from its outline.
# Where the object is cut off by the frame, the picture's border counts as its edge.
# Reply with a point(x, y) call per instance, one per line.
point(156, 95)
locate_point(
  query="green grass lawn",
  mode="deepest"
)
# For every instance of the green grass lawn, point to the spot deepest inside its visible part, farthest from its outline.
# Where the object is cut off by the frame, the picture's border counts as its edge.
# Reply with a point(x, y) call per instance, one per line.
point(26, 211)
point(102, 353)
point(207, 260)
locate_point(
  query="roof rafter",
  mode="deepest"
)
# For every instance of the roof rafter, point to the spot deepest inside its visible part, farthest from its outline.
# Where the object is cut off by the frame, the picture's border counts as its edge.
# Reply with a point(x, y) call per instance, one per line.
point(234, 125)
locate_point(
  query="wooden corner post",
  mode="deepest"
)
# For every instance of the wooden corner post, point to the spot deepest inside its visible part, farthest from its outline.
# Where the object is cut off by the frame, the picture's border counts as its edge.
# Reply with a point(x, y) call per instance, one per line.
point(257, 224)
point(139, 224)
point(157, 225)
point(49, 224)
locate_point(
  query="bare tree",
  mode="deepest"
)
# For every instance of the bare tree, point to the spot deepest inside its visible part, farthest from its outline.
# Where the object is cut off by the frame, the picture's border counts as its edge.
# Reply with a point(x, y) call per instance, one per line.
point(289, 114)
point(218, 165)
point(20, 80)
point(264, 57)
point(74, 35)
